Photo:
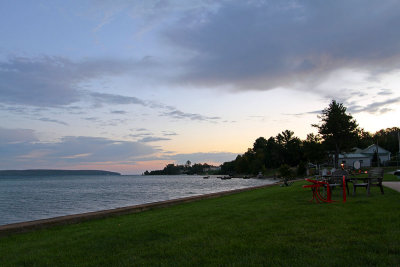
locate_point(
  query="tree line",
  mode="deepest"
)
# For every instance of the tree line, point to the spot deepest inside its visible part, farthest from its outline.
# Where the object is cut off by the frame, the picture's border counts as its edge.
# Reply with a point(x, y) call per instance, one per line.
point(188, 168)
point(337, 132)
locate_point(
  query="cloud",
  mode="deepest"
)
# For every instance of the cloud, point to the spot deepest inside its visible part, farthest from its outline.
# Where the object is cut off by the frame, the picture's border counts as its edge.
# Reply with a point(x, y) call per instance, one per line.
point(20, 149)
point(53, 120)
point(100, 149)
point(151, 12)
point(140, 135)
point(153, 139)
point(379, 107)
point(119, 112)
point(13, 136)
point(177, 114)
point(244, 45)
point(268, 44)
point(56, 81)
point(385, 92)
point(92, 119)
point(168, 133)
point(39, 82)
point(101, 98)
point(144, 136)
point(314, 112)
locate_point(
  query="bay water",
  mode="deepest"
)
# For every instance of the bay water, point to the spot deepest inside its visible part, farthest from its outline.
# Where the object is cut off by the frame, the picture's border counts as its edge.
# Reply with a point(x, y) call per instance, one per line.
point(32, 198)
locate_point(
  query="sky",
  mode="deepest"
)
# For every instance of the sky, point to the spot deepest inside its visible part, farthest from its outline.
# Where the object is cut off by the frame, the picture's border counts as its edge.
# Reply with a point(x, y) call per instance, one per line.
point(130, 86)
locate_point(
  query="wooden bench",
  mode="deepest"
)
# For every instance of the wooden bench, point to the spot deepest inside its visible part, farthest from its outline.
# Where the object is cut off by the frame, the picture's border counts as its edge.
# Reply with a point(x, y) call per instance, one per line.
point(336, 179)
point(375, 178)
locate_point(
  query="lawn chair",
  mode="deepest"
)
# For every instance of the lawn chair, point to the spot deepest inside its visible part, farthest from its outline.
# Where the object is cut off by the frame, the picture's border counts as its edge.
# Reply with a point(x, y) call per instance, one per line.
point(319, 193)
point(375, 178)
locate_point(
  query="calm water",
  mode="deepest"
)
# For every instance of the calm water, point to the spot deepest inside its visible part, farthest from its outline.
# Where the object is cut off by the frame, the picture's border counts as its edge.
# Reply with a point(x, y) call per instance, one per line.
point(32, 198)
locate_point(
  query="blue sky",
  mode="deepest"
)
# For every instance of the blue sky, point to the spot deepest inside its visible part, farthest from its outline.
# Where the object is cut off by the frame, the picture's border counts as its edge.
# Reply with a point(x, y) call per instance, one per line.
point(134, 85)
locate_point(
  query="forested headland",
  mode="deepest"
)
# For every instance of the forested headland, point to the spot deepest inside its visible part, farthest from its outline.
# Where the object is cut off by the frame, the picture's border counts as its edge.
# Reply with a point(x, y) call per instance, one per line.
point(188, 168)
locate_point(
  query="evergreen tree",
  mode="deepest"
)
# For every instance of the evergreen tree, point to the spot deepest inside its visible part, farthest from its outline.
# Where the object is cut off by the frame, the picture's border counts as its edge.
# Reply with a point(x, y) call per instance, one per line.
point(338, 129)
point(314, 151)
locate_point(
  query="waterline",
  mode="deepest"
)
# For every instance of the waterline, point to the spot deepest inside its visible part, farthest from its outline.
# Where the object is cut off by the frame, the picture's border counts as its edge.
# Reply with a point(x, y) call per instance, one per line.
point(34, 198)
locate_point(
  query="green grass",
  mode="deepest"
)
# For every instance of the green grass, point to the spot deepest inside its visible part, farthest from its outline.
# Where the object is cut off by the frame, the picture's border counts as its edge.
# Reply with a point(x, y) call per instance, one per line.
point(275, 226)
point(390, 177)
point(386, 177)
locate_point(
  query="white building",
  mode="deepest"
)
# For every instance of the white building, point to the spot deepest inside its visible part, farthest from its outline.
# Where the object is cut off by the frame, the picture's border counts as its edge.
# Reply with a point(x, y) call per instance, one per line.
point(363, 157)
point(211, 168)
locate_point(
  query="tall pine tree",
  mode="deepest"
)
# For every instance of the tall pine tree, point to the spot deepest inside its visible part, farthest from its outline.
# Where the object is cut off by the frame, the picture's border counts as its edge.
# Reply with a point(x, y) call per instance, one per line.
point(338, 129)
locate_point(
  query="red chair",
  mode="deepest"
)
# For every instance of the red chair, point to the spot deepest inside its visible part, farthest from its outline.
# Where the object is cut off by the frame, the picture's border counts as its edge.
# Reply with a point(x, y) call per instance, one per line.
point(322, 191)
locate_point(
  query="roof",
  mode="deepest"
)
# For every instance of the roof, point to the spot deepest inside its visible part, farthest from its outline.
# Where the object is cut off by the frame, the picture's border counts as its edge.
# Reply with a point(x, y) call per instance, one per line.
point(372, 148)
point(357, 150)
point(353, 155)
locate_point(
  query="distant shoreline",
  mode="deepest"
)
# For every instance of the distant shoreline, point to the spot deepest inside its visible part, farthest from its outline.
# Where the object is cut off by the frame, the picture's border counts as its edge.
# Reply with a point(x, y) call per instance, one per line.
point(49, 172)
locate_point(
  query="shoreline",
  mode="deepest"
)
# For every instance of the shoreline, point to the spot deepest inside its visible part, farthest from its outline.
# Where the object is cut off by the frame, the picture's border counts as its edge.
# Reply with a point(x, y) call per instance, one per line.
point(77, 218)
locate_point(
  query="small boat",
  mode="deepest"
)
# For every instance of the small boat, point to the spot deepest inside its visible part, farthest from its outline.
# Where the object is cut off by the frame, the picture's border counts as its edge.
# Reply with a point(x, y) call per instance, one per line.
point(226, 178)
point(206, 177)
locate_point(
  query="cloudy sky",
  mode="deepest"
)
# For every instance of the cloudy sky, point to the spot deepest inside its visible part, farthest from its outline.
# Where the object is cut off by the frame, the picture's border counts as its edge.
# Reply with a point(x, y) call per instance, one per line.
point(133, 85)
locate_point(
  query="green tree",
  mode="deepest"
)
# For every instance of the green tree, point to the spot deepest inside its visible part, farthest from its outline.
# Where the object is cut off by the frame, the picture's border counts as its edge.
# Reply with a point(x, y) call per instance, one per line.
point(171, 169)
point(364, 139)
point(314, 151)
point(228, 167)
point(258, 163)
point(273, 155)
point(388, 139)
point(291, 150)
point(338, 129)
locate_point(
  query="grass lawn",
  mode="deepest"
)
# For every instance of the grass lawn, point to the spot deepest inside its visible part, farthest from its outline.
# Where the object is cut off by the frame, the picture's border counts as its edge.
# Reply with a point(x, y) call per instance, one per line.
point(390, 178)
point(264, 227)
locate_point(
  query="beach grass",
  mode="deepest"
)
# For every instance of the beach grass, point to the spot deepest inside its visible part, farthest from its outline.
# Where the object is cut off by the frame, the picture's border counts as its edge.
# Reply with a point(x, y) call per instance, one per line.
point(275, 226)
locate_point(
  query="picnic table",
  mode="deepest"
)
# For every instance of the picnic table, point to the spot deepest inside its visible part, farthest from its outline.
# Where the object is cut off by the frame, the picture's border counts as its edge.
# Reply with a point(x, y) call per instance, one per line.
point(375, 178)
point(323, 185)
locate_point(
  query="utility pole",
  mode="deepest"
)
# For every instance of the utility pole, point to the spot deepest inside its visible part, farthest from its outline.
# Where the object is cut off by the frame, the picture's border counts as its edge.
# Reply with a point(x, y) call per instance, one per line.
point(398, 153)
point(377, 152)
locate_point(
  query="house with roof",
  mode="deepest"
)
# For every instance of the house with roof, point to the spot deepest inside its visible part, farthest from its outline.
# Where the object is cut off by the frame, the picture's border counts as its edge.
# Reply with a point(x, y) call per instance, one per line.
point(363, 157)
